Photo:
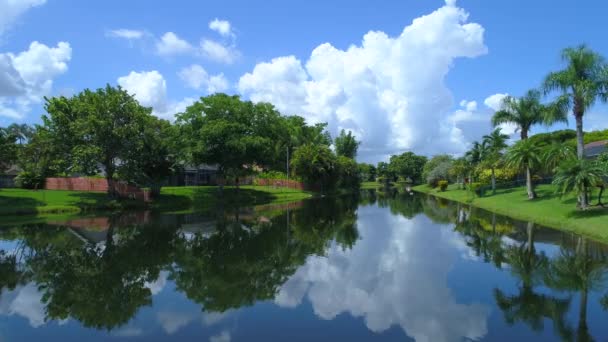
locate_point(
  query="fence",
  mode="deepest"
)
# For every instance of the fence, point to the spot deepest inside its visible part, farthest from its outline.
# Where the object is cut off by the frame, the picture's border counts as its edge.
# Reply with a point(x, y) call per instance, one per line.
point(514, 184)
point(281, 183)
point(122, 189)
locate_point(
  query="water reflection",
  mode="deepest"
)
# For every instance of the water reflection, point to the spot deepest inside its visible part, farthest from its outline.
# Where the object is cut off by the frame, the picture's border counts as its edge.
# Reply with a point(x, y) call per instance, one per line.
point(407, 265)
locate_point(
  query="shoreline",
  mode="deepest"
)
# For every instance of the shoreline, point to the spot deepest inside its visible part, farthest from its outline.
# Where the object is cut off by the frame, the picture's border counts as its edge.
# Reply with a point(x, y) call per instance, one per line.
point(548, 210)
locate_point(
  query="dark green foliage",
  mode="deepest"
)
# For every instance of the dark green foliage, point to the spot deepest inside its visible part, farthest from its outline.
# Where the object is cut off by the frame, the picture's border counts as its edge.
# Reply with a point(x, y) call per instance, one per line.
point(8, 149)
point(439, 173)
point(443, 185)
point(367, 172)
point(408, 165)
point(346, 145)
point(433, 163)
point(316, 164)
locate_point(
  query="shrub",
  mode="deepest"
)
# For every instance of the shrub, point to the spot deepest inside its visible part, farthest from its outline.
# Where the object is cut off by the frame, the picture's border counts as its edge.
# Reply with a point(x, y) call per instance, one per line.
point(29, 180)
point(476, 188)
point(440, 172)
point(443, 185)
point(503, 175)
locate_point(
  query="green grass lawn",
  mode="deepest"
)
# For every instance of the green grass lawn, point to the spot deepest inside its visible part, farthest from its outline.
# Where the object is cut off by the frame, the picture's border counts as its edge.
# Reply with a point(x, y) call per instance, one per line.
point(548, 209)
point(45, 202)
point(369, 185)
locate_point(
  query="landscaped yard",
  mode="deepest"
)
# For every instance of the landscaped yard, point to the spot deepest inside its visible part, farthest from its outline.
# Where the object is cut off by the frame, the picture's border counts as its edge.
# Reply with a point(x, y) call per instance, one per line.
point(548, 209)
point(22, 202)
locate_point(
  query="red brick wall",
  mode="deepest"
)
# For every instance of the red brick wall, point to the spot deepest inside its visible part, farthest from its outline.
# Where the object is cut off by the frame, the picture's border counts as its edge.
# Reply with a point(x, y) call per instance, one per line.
point(77, 184)
point(123, 190)
point(281, 183)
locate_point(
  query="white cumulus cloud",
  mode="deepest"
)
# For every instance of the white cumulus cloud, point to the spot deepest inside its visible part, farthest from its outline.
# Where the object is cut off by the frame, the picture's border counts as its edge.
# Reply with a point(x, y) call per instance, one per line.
point(391, 278)
point(196, 77)
point(219, 52)
point(390, 91)
point(27, 76)
point(126, 34)
point(10, 10)
point(223, 27)
point(150, 89)
point(171, 45)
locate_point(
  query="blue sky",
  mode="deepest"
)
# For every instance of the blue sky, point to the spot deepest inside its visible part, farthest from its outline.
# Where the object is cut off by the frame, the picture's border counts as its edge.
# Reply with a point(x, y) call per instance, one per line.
point(407, 94)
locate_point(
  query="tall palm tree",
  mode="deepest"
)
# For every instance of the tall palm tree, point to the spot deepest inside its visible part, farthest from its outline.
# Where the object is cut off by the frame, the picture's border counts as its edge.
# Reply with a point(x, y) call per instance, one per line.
point(582, 83)
point(579, 175)
point(525, 155)
point(475, 156)
point(23, 132)
point(495, 142)
point(528, 111)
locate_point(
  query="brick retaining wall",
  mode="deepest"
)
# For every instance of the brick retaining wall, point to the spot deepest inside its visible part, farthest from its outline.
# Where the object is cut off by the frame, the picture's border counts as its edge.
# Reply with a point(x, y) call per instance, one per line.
point(123, 189)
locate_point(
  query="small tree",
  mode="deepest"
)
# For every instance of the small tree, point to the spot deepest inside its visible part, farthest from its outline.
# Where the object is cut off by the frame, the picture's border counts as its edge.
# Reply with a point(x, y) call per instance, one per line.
point(408, 165)
point(496, 142)
point(526, 156)
point(346, 145)
point(579, 176)
point(8, 149)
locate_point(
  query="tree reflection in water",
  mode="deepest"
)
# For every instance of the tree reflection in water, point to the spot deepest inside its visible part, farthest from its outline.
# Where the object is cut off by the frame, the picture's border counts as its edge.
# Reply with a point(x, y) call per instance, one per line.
point(102, 276)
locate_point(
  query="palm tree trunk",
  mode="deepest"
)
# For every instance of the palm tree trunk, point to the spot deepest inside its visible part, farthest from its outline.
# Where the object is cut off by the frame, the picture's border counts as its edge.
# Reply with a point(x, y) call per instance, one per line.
point(493, 182)
point(531, 194)
point(530, 232)
point(580, 142)
point(583, 331)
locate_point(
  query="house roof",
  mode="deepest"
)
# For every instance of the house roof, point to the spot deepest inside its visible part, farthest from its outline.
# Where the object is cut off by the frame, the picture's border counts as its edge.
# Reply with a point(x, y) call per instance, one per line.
point(13, 170)
point(595, 148)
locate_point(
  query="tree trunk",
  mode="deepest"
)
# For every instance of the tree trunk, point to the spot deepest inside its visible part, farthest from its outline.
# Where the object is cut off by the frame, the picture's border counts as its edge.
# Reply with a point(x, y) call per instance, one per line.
point(580, 142)
point(530, 187)
point(583, 331)
point(599, 196)
point(493, 181)
point(530, 232)
point(524, 134)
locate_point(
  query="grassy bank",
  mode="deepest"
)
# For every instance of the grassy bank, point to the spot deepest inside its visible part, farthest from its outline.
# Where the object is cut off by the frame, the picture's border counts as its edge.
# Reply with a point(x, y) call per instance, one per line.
point(549, 209)
point(46, 202)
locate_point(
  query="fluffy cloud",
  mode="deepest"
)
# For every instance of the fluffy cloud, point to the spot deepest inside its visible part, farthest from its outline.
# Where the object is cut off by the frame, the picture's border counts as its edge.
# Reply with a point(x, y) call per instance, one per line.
point(389, 91)
point(126, 34)
point(28, 76)
point(171, 45)
point(10, 10)
point(219, 52)
point(391, 278)
point(222, 27)
point(24, 301)
point(150, 89)
point(196, 77)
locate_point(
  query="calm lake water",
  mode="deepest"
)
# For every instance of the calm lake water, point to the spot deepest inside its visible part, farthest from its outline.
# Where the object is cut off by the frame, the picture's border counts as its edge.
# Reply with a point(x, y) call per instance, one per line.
point(373, 267)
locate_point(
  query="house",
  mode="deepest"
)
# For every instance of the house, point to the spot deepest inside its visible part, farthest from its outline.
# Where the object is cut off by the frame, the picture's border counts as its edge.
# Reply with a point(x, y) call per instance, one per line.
point(190, 175)
point(594, 149)
point(7, 179)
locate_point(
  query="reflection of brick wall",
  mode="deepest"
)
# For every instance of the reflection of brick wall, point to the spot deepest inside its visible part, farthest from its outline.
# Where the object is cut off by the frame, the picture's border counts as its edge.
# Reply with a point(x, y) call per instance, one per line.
point(123, 189)
point(281, 183)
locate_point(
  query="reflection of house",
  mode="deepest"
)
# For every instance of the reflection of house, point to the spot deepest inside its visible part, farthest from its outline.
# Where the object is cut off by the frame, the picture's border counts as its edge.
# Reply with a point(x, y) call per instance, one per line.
point(200, 175)
point(594, 149)
point(7, 179)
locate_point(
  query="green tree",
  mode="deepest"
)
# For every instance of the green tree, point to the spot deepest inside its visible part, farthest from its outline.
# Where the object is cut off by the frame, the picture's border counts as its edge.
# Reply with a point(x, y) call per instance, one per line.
point(316, 164)
point(346, 145)
point(528, 111)
point(581, 83)
point(154, 158)
point(223, 130)
point(475, 156)
point(432, 163)
point(496, 143)
point(407, 165)
point(23, 132)
point(8, 149)
point(525, 156)
point(579, 175)
point(348, 173)
point(460, 168)
point(95, 128)
point(555, 154)
point(367, 172)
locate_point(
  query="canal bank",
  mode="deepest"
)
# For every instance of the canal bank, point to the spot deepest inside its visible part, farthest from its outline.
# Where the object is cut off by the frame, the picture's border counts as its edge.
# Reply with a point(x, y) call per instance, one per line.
point(549, 209)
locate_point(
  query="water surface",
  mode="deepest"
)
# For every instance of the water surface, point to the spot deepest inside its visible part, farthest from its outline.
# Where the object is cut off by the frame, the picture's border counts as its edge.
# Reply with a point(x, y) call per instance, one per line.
point(374, 267)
